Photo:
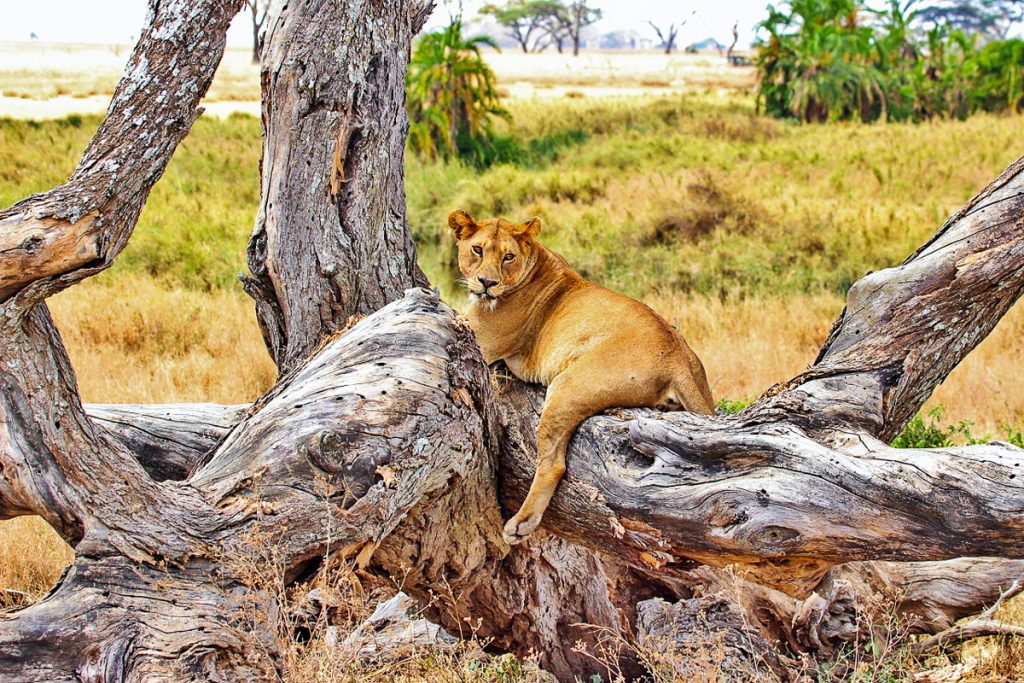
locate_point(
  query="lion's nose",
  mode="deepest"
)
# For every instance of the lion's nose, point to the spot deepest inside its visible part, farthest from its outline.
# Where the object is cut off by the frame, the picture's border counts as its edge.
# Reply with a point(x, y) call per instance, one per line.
point(485, 282)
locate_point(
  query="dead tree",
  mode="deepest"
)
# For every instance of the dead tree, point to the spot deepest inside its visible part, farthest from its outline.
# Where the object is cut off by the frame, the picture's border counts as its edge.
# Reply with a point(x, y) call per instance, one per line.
point(799, 494)
point(668, 36)
point(259, 10)
point(572, 19)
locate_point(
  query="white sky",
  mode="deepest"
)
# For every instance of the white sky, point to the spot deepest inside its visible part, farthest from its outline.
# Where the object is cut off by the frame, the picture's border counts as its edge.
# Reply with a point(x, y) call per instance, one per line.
point(118, 21)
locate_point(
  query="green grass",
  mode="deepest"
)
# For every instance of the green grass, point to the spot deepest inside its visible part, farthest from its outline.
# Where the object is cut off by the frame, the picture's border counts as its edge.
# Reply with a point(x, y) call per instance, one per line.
point(195, 226)
point(692, 194)
point(701, 195)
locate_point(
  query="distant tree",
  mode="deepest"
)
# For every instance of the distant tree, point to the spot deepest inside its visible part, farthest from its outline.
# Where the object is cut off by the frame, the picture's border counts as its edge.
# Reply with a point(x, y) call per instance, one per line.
point(531, 23)
point(259, 9)
point(668, 36)
point(575, 17)
point(735, 39)
point(991, 17)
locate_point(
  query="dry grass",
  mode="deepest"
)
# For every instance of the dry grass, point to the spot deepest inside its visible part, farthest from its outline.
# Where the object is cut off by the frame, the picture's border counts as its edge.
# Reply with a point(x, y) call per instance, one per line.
point(41, 71)
point(133, 340)
point(32, 556)
point(749, 345)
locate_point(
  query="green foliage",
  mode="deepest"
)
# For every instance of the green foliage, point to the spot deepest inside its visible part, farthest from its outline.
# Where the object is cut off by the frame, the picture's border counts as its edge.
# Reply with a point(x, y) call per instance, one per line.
point(194, 227)
point(830, 60)
point(931, 433)
point(451, 96)
point(729, 407)
point(921, 434)
point(1000, 76)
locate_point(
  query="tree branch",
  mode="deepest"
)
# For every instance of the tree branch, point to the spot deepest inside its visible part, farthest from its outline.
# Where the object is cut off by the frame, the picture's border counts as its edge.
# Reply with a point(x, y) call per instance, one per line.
point(168, 440)
point(904, 329)
point(983, 625)
point(53, 460)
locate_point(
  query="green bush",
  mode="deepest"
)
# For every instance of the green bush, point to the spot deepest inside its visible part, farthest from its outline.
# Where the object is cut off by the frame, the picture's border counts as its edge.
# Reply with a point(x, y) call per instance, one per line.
point(931, 433)
point(828, 60)
point(451, 96)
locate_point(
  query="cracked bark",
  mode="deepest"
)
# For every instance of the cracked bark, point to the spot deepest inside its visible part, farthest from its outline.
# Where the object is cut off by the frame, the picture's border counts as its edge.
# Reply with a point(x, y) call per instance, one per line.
point(331, 233)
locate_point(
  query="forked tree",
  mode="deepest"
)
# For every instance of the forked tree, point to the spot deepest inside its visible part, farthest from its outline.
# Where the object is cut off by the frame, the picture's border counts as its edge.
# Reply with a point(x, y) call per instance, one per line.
point(667, 37)
point(386, 441)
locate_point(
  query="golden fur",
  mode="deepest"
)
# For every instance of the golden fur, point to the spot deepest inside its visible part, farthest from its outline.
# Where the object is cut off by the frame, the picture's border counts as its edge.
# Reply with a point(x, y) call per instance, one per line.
point(593, 348)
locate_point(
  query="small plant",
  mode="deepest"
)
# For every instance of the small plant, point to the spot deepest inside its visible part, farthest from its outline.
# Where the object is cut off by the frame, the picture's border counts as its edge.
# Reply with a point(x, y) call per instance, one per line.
point(728, 406)
point(451, 95)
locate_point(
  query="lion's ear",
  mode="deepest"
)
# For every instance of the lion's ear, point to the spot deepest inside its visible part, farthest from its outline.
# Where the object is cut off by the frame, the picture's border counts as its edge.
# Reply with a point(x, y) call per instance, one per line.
point(530, 228)
point(462, 224)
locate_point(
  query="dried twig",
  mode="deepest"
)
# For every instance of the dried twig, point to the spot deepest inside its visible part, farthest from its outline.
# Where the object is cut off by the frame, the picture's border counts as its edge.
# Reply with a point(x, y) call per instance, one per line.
point(980, 626)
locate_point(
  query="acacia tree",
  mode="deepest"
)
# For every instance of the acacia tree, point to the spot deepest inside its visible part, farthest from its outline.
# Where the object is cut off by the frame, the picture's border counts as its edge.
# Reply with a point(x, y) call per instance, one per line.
point(994, 17)
point(533, 24)
point(799, 494)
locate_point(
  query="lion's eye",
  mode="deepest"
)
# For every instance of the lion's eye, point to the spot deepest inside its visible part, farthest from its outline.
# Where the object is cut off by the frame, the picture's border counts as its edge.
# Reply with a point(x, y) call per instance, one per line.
point(509, 258)
point(478, 250)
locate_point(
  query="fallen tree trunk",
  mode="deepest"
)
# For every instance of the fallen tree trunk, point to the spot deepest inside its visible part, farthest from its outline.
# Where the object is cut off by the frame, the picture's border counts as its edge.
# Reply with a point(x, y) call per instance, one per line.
point(929, 596)
point(387, 443)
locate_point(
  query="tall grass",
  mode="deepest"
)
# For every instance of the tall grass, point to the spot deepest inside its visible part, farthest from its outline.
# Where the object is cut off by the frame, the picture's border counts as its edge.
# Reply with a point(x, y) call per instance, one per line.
point(133, 339)
point(193, 230)
point(794, 209)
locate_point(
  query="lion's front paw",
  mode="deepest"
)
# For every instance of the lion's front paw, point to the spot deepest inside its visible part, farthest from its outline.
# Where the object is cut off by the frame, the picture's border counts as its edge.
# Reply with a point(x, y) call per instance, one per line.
point(519, 528)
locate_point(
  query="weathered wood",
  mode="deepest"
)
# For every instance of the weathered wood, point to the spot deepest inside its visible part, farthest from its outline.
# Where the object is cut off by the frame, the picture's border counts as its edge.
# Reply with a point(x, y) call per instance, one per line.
point(754, 491)
point(981, 626)
point(932, 596)
point(700, 638)
point(384, 444)
point(168, 440)
point(331, 239)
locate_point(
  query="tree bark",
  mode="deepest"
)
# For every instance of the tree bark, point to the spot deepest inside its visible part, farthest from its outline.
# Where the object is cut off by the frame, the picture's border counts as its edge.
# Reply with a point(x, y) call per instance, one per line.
point(331, 230)
point(385, 441)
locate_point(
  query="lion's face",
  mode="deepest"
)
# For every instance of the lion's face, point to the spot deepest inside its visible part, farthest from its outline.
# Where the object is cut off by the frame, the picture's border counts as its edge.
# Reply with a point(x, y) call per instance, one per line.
point(495, 255)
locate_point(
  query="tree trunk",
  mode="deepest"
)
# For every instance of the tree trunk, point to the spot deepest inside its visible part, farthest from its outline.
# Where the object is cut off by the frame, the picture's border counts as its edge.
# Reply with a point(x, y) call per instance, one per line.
point(331, 230)
point(387, 442)
point(255, 35)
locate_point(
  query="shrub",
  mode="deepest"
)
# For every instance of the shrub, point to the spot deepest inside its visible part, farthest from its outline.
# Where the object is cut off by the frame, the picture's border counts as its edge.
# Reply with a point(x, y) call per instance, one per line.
point(826, 60)
point(451, 95)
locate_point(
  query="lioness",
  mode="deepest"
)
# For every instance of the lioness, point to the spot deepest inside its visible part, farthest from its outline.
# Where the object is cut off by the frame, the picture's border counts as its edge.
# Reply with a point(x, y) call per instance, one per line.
point(593, 348)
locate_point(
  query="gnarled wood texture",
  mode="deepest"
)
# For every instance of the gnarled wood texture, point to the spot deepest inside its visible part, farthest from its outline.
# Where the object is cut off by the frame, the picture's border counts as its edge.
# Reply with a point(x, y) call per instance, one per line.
point(331, 236)
point(388, 444)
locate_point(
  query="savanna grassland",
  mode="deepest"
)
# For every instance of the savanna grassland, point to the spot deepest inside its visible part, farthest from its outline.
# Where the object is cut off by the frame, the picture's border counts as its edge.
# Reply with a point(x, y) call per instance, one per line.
point(743, 231)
